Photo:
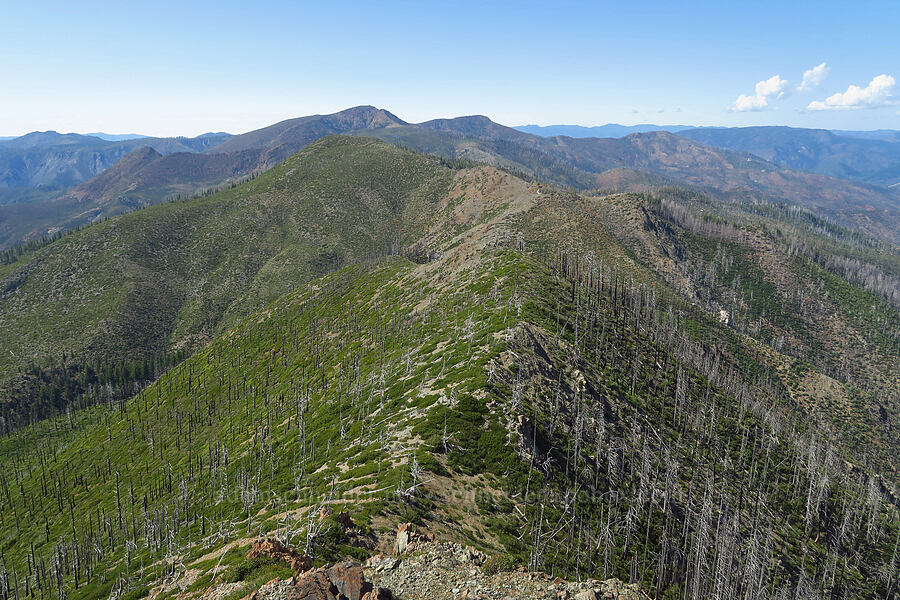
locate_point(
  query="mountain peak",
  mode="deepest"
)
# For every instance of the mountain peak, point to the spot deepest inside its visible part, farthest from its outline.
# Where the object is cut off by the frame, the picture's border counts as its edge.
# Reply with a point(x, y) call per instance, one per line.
point(368, 117)
point(144, 152)
point(476, 125)
point(48, 138)
point(666, 135)
point(287, 137)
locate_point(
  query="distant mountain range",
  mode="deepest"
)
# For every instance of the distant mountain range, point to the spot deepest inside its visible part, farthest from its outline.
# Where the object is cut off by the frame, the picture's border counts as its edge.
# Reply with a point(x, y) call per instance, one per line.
point(616, 130)
point(57, 180)
point(51, 160)
point(874, 161)
point(117, 137)
point(869, 156)
point(608, 130)
point(888, 135)
point(643, 160)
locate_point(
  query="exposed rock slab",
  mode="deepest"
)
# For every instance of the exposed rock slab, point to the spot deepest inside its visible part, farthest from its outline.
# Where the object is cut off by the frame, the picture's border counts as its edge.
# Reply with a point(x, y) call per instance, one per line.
point(448, 571)
point(343, 581)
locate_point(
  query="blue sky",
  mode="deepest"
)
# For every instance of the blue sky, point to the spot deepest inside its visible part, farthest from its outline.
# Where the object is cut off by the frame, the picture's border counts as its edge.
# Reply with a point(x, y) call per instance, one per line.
point(167, 68)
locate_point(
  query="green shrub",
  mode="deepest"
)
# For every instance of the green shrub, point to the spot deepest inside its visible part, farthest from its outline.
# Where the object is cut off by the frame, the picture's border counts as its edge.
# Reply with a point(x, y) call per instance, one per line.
point(242, 571)
point(333, 545)
point(503, 505)
point(428, 462)
point(135, 594)
point(485, 502)
point(499, 563)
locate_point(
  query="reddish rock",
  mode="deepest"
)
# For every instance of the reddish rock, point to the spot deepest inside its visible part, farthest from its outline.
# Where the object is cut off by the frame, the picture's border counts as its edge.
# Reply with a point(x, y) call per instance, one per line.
point(343, 581)
point(272, 548)
point(312, 585)
point(408, 539)
point(348, 579)
point(378, 593)
point(374, 560)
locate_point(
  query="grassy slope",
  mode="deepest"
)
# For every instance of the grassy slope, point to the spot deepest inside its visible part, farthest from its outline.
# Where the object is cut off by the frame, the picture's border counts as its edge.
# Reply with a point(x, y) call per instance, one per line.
point(175, 273)
point(372, 315)
point(392, 354)
point(173, 276)
point(485, 375)
point(775, 297)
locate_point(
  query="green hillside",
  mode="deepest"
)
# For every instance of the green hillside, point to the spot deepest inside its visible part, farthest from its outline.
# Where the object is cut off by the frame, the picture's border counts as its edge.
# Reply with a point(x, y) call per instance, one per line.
point(556, 416)
point(638, 162)
point(541, 374)
point(110, 307)
point(585, 163)
point(173, 275)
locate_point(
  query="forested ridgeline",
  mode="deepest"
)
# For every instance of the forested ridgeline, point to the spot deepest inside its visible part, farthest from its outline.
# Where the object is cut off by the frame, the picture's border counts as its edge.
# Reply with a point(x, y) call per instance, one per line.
point(550, 411)
point(69, 384)
point(630, 385)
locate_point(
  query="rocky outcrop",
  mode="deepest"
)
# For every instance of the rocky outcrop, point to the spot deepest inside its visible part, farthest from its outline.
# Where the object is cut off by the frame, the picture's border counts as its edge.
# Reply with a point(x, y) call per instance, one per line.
point(344, 581)
point(447, 571)
point(408, 539)
point(424, 569)
point(272, 548)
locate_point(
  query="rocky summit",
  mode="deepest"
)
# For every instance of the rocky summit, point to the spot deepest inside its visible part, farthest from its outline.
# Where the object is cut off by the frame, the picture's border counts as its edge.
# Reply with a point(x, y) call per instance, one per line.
point(449, 571)
point(425, 569)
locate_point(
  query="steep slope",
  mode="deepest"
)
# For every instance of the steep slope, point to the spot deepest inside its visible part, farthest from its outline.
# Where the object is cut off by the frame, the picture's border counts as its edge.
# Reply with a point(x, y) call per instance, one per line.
point(552, 413)
point(865, 207)
point(151, 177)
point(36, 171)
point(550, 381)
point(171, 276)
point(103, 196)
point(168, 278)
point(786, 291)
point(816, 150)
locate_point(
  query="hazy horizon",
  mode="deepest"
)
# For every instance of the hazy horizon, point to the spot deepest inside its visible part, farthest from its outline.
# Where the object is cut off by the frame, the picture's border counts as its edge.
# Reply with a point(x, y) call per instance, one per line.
point(136, 134)
point(177, 68)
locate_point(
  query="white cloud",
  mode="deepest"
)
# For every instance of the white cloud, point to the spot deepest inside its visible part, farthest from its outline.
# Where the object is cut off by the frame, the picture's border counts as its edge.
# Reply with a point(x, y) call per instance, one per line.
point(766, 90)
point(813, 77)
point(878, 93)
